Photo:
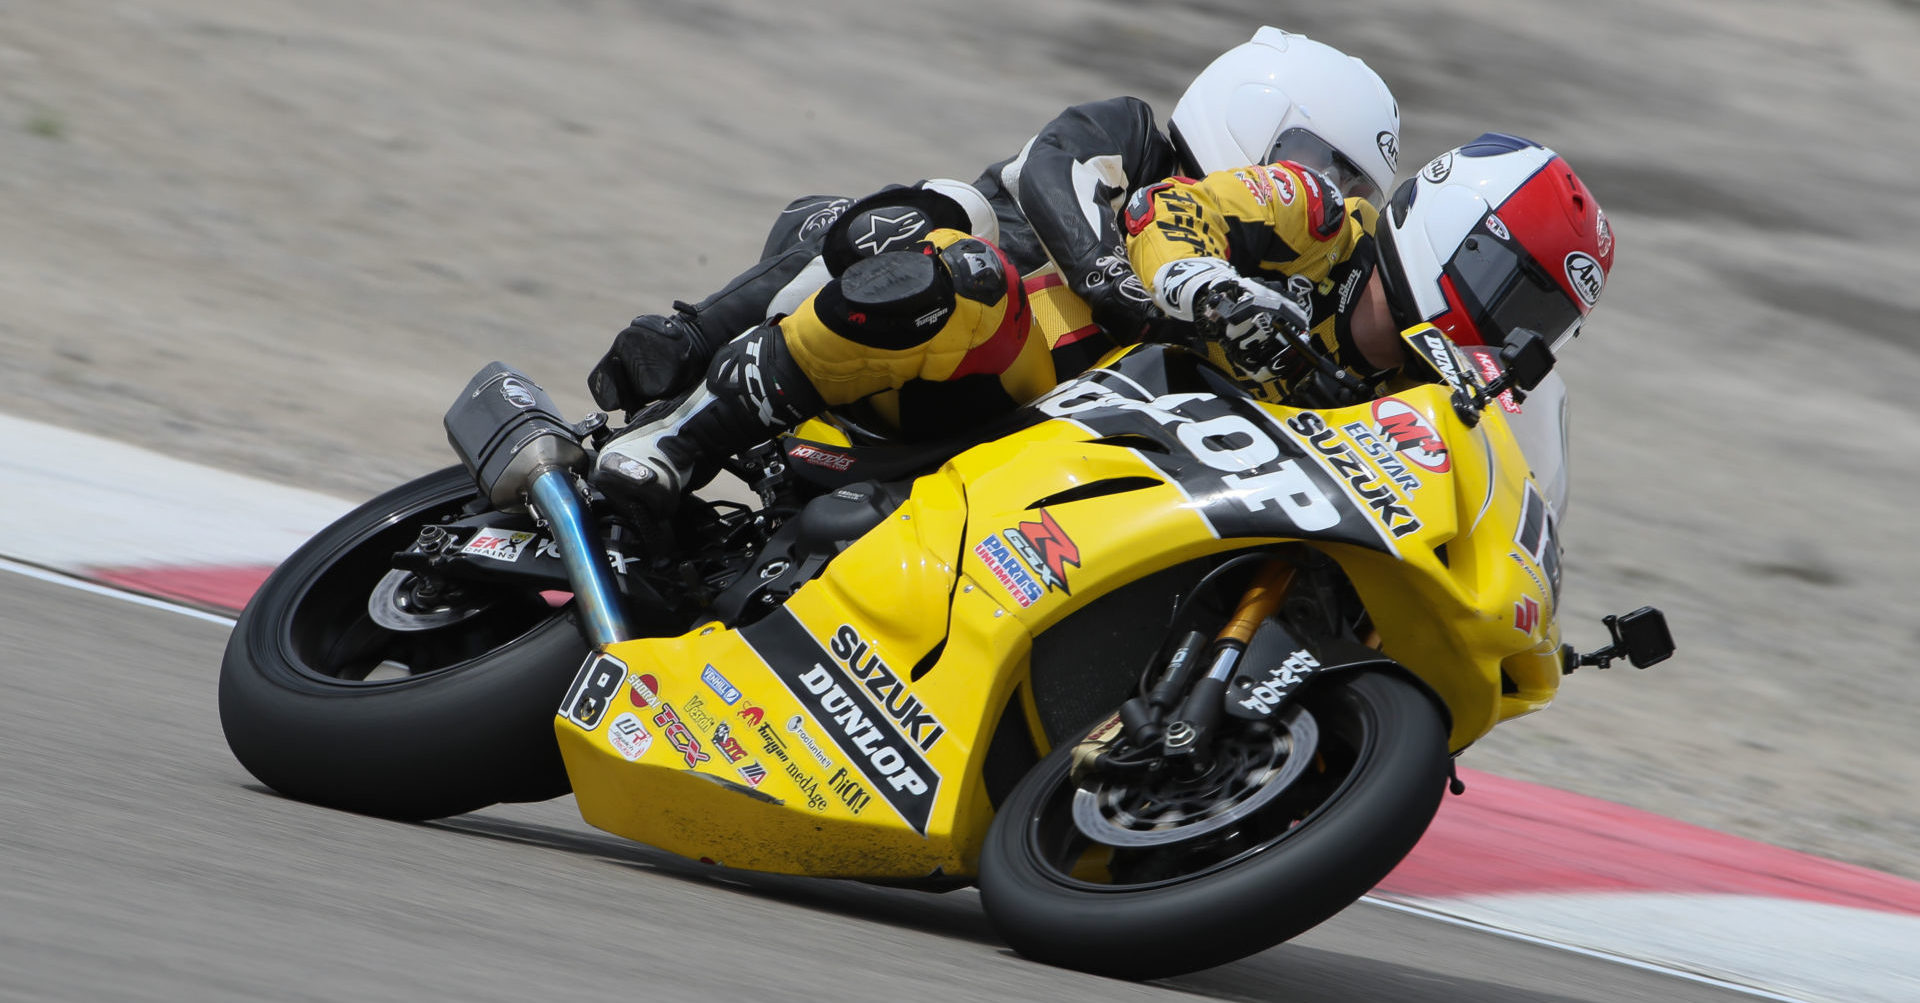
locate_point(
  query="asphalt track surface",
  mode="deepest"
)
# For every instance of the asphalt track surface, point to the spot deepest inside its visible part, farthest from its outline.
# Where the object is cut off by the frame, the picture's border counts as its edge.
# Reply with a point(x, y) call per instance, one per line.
point(143, 863)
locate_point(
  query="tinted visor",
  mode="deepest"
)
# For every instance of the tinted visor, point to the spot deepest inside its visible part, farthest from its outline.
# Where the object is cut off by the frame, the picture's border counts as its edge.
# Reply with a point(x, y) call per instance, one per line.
point(1303, 147)
point(1503, 288)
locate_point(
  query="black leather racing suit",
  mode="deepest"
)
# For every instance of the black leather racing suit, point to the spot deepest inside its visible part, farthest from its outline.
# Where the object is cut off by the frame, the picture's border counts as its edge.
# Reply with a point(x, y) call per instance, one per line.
point(1060, 200)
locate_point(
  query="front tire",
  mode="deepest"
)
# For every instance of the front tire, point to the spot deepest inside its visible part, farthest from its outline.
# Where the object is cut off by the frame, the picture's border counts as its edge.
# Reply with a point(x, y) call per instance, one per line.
point(1164, 906)
point(323, 704)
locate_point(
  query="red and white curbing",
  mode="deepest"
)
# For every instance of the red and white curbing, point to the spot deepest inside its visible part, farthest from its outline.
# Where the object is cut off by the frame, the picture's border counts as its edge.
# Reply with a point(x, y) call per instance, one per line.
point(113, 512)
point(1511, 857)
point(1618, 881)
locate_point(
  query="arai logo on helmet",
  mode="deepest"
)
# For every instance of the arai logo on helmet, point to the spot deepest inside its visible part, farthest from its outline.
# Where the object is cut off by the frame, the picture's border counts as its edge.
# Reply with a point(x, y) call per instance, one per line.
point(1438, 169)
point(1585, 276)
point(516, 393)
point(1389, 148)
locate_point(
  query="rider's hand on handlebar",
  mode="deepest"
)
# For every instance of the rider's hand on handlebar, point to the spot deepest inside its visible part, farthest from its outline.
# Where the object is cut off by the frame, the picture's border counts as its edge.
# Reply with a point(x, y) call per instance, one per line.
point(1254, 324)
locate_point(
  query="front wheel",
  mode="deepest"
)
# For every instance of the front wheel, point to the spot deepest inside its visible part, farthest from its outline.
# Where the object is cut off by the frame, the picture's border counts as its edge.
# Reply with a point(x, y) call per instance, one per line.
point(351, 685)
point(1289, 825)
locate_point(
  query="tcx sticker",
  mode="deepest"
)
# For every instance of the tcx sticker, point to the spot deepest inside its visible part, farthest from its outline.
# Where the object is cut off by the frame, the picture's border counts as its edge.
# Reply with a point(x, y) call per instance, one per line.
point(680, 736)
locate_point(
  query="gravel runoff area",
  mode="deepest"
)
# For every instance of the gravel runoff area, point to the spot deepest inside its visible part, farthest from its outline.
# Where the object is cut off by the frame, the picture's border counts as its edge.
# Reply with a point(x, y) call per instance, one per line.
point(277, 237)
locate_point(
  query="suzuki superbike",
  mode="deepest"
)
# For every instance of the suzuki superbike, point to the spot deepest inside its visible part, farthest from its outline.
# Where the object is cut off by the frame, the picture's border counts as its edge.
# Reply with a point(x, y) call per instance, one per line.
point(1170, 673)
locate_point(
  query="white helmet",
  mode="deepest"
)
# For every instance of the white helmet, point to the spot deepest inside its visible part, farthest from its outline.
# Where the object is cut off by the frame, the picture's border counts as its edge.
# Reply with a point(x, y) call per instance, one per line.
point(1283, 96)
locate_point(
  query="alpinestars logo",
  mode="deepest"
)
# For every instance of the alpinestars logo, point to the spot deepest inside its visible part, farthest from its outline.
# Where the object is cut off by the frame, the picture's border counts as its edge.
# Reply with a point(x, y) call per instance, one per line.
point(885, 231)
point(1047, 549)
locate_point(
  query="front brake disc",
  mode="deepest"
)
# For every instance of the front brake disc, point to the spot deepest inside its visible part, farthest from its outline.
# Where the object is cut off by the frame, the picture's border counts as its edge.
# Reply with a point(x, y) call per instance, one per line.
point(1131, 817)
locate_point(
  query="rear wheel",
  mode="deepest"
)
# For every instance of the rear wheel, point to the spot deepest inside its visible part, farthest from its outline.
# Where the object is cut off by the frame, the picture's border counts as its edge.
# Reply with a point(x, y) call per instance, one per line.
point(349, 684)
point(1291, 824)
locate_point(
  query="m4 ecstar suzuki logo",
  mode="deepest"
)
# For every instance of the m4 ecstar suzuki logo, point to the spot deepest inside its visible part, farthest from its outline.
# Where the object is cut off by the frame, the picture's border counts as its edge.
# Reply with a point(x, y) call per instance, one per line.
point(1046, 548)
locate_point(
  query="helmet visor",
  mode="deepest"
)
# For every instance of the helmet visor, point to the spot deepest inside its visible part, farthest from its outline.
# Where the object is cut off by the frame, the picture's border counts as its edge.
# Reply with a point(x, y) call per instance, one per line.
point(1303, 147)
point(1504, 288)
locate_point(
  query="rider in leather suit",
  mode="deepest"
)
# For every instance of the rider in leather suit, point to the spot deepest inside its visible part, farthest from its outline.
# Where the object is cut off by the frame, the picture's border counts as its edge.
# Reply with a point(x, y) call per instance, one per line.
point(1053, 207)
point(1493, 236)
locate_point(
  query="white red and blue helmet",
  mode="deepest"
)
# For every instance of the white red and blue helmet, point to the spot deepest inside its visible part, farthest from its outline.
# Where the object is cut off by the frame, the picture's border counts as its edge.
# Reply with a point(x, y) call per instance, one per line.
point(1281, 96)
point(1492, 236)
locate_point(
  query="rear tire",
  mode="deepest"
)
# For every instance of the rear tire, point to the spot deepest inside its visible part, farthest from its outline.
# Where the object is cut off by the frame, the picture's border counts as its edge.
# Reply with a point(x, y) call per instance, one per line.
point(463, 717)
point(1059, 897)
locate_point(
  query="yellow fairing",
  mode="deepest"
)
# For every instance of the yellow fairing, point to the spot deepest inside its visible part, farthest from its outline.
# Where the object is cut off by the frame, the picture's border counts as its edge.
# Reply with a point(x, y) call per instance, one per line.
point(819, 793)
point(1450, 602)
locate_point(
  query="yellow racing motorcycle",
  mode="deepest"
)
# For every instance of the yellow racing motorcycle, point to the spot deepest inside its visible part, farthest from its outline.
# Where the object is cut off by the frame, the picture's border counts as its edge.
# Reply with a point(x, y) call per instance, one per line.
point(1170, 673)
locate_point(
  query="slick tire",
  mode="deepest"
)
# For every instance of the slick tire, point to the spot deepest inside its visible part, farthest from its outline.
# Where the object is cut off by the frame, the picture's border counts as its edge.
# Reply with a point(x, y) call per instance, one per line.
point(1251, 902)
point(472, 725)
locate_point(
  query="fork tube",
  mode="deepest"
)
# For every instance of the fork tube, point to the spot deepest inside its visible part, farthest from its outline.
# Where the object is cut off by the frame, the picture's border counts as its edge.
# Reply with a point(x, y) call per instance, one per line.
point(1259, 602)
point(1193, 726)
point(554, 500)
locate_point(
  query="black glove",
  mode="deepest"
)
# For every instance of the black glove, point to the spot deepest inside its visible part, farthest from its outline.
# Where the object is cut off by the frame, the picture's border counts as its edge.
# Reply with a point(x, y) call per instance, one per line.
point(654, 358)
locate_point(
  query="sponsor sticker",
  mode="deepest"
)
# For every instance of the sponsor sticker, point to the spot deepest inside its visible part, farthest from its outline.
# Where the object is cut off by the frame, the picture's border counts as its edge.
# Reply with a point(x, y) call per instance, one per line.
point(1282, 184)
point(1257, 185)
point(719, 685)
point(696, 711)
point(680, 736)
point(728, 744)
point(846, 786)
point(1490, 371)
point(1282, 679)
point(1383, 455)
point(643, 689)
point(629, 737)
point(1412, 434)
point(500, 544)
point(819, 457)
point(1046, 548)
point(885, 761)
point(863, 663)
point(1007, 570)
point(797, 727)
point(1369, 482)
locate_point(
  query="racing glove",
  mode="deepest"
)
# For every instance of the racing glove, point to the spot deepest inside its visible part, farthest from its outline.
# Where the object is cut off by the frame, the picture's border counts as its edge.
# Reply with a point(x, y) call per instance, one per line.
point(1253, 323)
point(655, 357)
